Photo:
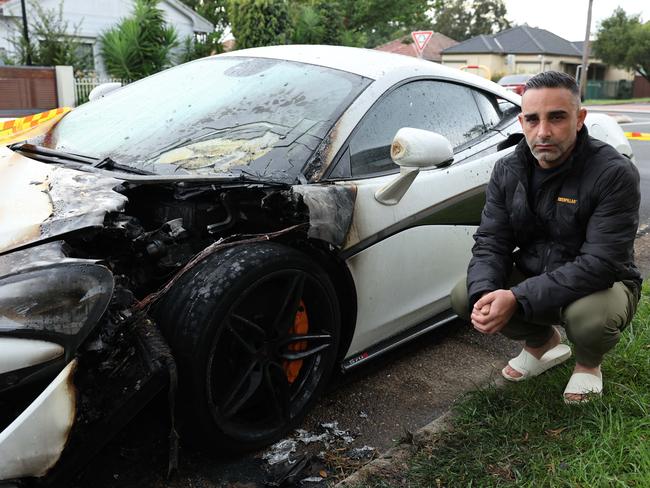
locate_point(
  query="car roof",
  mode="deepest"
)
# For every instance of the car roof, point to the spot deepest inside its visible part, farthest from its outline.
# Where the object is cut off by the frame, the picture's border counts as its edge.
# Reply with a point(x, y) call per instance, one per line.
point(368, 63)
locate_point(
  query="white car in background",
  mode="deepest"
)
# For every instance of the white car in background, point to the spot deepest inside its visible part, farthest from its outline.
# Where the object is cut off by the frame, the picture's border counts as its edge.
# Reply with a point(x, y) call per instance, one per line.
point(239, 220)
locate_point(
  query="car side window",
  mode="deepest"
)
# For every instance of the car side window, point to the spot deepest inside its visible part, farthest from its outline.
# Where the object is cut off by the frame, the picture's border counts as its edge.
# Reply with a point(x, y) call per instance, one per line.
point(446, 108)
point(489, 109)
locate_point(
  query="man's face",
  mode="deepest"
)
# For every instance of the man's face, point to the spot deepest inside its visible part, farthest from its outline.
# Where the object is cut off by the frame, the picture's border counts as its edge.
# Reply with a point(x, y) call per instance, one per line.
point(551, 119)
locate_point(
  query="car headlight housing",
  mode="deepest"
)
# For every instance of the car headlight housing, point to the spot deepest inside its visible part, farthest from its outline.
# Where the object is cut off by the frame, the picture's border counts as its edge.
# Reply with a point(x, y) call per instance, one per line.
point(62, 302)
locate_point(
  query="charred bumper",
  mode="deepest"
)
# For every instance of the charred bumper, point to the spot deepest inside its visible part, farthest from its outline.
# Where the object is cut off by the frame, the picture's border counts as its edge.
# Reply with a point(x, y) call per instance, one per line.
point(122, 366)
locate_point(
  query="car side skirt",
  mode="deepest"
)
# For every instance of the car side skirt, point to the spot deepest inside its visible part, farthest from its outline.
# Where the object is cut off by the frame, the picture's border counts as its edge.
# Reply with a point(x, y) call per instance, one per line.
point(398, 340)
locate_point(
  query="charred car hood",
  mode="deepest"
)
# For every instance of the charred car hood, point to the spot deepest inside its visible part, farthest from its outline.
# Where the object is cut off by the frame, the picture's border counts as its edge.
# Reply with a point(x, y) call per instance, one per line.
point(40, 202)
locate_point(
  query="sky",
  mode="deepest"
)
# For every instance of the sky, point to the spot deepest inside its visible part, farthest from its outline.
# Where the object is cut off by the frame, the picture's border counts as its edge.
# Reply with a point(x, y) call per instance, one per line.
point(568, 18)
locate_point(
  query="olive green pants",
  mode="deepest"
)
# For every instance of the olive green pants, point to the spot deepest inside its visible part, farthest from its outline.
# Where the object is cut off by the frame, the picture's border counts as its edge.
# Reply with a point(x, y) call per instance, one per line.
point(593, 323)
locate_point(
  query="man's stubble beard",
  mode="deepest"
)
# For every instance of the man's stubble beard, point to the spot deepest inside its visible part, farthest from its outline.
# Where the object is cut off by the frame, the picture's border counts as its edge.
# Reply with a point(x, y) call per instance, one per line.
point(550, 157)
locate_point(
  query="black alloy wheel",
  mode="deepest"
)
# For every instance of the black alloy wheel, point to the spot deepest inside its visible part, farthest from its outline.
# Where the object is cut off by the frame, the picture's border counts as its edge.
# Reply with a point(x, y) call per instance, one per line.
point(255, 332)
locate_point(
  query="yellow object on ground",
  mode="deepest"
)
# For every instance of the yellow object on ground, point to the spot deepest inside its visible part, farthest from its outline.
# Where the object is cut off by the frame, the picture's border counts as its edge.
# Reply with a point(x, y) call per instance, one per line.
point(638, 136)
point(33, 125)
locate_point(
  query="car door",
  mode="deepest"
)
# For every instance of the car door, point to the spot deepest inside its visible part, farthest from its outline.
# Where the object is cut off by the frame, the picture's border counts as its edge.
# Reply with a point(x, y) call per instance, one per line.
point(405, 258)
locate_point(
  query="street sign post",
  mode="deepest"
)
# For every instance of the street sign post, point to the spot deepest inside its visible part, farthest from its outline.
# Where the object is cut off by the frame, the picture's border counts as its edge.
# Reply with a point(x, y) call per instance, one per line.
point(420, 40)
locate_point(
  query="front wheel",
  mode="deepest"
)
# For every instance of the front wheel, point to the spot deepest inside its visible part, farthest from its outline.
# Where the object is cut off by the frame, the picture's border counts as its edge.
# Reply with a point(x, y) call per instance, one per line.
point(255, 332)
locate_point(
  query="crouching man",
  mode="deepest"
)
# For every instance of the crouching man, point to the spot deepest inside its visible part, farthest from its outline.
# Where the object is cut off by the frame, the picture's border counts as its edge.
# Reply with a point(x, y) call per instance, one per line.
point(555, 244)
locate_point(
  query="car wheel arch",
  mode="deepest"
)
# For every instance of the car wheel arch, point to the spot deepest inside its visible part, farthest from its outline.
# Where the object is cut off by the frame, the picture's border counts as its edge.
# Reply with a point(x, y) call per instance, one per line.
point(341, 277)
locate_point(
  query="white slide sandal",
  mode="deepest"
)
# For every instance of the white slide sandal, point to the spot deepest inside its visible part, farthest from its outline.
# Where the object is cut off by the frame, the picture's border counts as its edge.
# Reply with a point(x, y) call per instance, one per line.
point(584, 384)
point(529, 366)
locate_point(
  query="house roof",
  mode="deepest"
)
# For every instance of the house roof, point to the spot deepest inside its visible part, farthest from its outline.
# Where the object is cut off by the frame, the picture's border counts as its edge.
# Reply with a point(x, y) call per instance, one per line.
point(522, 39)
point(432, 51)
point(201, 24)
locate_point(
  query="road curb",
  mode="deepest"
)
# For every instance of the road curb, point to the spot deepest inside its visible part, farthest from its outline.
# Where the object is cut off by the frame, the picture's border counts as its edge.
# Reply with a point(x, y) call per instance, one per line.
point(621, 119)
point(395, 460)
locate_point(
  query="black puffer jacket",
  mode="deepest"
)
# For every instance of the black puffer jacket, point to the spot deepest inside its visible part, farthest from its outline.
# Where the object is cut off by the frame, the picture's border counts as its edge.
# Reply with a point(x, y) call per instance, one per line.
point(579, 239)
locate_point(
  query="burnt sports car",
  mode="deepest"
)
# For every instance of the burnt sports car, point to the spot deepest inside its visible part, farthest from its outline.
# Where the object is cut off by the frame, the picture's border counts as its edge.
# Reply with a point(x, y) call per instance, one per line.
point(231, 230)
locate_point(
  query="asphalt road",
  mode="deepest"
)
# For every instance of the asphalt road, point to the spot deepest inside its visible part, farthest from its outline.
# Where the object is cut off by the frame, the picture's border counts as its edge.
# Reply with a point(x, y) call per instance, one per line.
point(642, 154)
point(376, 405)
point(640, 123)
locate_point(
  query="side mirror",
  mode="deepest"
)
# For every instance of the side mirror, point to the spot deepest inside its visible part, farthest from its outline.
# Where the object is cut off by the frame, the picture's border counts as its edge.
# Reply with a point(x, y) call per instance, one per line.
point(412, 150)
point(103, 90)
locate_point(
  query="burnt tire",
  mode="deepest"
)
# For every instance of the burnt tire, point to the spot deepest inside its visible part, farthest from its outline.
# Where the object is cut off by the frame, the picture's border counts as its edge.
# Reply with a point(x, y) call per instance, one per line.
point(255, 331)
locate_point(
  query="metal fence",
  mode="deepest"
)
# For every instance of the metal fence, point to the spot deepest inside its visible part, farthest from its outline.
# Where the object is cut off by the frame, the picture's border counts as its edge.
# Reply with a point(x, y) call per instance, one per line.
point(602, 90)
point(83, 87)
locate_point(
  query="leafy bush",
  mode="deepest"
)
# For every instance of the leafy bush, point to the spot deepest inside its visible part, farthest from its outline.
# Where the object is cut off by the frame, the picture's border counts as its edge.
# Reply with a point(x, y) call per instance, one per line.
point(140, 45)
point(51, 41)
point(259, 22)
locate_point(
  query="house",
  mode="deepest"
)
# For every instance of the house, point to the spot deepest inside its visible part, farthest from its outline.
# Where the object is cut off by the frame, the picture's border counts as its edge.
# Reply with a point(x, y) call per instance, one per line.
point(432, 51)
point(525, 49)
point(93, 17)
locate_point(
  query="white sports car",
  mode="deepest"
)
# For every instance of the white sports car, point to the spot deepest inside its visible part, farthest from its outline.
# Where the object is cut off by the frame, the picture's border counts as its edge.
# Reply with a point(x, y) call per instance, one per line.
point(233, 229)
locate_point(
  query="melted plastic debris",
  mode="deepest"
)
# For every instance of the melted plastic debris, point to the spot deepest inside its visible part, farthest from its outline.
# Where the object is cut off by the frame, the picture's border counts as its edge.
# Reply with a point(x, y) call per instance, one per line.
point(312, 479)
point(280, 452)
point(333, 429)
point(304, 457)
point(307, 437)
point(365, 452)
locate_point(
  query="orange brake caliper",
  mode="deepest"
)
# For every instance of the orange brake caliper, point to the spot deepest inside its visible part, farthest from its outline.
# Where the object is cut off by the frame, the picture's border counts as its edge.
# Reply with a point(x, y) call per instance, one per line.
point(300, 327)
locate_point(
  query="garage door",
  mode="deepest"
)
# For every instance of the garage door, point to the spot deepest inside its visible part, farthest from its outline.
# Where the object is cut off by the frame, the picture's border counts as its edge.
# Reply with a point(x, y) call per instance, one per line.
point(25, 90)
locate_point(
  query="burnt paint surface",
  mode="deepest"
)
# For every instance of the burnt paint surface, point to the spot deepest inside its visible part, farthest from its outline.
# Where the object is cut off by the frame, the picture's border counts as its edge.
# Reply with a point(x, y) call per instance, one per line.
point(330, 211)
point(78, 200)
point(43, 255)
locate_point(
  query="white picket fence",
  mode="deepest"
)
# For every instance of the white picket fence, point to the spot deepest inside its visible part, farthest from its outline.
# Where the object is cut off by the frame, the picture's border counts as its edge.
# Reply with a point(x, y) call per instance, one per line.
point(83, 86)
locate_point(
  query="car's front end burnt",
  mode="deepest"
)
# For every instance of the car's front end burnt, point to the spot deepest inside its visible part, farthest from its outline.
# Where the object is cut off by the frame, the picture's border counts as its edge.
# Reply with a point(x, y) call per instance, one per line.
point(83, 259)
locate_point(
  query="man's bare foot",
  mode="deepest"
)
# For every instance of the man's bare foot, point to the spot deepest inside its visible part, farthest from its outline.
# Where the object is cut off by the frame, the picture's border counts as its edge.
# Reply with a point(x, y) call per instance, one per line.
point(578, 397)
point(538, 352)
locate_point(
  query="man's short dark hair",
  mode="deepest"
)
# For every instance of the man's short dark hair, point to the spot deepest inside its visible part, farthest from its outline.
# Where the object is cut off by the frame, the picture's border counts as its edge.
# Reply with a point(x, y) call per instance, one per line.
point(553, 79)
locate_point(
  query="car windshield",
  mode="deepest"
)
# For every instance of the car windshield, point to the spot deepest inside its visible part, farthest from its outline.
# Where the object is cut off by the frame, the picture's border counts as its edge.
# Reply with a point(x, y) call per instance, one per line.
point(260, 117)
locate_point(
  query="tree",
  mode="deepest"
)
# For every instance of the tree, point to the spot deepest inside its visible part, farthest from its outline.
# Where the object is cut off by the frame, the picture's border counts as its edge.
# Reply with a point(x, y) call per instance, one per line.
point(348, 22)
point(489, 17)
point(464, 19)
point(375, 22)
point(140, 45)
point(259, 22)
point(52, 41)
point(624, 41)
point(331, 14)
point(316, 22)
point(204, 45)
point(307, 25)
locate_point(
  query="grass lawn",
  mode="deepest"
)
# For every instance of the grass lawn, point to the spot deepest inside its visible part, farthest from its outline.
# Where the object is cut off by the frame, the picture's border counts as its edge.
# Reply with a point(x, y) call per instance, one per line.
point(524, 435)
point(616, 102)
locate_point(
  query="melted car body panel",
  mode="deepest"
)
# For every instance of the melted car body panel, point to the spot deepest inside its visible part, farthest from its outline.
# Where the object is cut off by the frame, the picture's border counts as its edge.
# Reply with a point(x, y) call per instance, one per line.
point(40, 201)
point(34, 441)
point(330, 211)
point(24, 202)
point(42, 255)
